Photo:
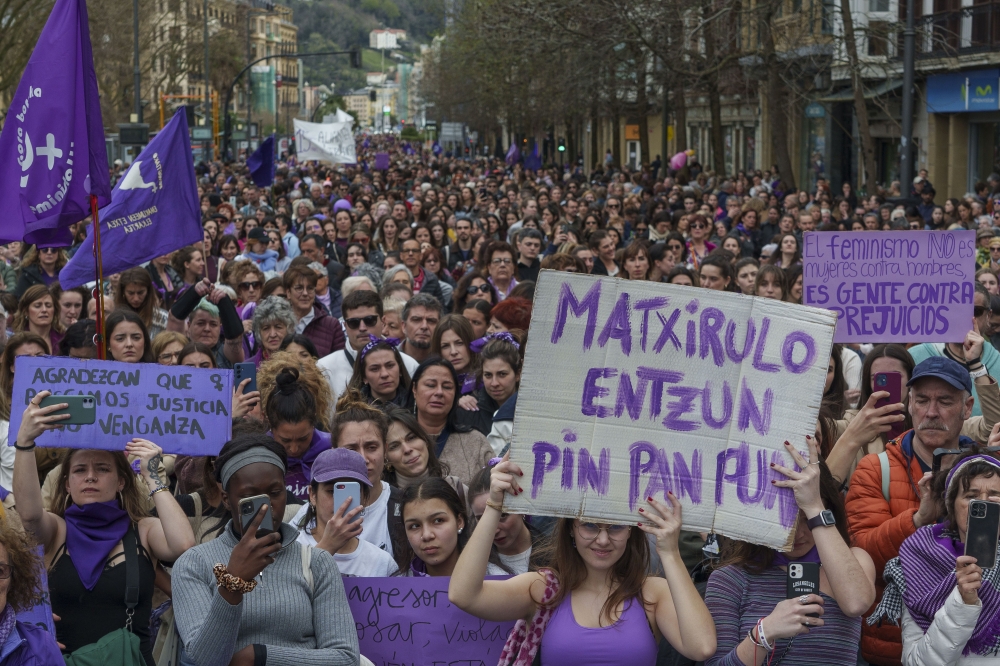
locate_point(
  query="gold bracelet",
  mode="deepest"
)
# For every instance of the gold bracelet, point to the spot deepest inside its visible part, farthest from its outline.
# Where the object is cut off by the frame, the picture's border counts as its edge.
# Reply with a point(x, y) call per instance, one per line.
point(494, 505)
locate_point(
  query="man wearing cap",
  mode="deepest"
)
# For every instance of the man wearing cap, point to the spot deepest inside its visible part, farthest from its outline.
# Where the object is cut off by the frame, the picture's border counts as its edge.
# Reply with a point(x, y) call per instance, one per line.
point(882, 512)
point(335, 529)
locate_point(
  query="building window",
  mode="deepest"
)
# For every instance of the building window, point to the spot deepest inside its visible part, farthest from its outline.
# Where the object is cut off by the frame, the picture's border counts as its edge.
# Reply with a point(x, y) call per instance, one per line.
point(878, 5)
point(879, 37)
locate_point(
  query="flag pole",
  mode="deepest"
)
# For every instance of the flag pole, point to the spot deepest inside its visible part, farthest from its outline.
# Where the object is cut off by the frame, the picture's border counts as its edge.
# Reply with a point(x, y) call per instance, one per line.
point(99, 288)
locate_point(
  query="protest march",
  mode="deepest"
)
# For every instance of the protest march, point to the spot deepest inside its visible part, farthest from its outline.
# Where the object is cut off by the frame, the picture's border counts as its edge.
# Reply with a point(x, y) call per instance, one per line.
point(350, 398)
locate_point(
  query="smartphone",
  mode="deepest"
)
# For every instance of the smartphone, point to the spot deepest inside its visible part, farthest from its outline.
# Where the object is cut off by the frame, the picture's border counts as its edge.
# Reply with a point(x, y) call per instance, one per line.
point(893, 383)
point(984, 531)
point(82, 409)
point(232, 201)
point(803, 578)
point(249, 507)
point(344, 490)
point(246, 371)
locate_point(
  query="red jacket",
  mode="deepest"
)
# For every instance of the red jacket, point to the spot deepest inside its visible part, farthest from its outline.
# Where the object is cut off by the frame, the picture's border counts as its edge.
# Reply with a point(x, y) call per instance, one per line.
point(880, 528)
point(325, 332)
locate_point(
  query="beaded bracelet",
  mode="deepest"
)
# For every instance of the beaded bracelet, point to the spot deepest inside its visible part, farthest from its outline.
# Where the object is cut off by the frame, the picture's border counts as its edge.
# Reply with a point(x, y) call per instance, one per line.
point(158, 489)
point(494, 505)
point(227, 580)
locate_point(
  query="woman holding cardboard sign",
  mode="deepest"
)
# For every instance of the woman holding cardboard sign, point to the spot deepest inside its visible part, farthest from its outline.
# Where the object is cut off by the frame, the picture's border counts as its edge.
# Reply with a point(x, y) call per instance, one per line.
point(747, 594)
point(99, 508)
point(596, 605)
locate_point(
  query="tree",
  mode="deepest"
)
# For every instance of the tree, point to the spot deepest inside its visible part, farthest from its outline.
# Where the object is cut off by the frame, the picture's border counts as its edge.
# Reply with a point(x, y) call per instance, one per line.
point(860, 108)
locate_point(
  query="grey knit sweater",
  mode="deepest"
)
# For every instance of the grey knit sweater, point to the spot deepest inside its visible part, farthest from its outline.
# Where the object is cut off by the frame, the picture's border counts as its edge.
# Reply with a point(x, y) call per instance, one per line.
point(298, 626)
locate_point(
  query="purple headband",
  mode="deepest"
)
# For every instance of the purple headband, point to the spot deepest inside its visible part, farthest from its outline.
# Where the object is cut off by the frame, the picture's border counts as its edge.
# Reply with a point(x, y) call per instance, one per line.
point(375, 342)
point(476, 346)
point(973, 458)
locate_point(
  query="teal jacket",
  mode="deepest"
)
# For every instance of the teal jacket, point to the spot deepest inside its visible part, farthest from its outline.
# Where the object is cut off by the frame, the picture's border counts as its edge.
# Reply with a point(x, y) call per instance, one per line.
point(991, 359)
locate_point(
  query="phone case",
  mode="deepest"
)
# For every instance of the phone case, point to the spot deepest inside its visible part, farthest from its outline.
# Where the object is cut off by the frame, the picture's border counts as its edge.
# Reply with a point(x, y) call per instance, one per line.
point(984, 530)
point(242, 371)
point(803, 578)
point(344, 489)
point(893, 383)
point(249, 506)
point(82, 408)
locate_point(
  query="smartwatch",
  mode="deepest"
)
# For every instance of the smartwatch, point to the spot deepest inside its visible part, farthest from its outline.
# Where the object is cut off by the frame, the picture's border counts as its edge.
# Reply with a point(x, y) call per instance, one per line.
point(824, 519)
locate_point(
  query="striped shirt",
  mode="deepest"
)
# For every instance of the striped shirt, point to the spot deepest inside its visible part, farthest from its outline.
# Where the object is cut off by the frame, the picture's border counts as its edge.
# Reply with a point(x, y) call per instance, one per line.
point(737, 599)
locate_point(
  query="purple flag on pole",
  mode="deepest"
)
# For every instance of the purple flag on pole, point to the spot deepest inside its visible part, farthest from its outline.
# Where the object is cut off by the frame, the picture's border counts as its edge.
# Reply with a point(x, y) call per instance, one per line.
point(154, 209)
point(261, 163)
point(513, 155)
point(382, 161)
point(534, 160)
point(52, 152)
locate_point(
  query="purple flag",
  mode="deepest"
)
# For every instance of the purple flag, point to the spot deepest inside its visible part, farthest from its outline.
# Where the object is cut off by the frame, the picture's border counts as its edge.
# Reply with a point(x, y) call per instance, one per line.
point(382, 161)
point(52, 152)
point(261, 163)
point(436, 148)
point(513, 155)
point(534, 160)
point(154, 209)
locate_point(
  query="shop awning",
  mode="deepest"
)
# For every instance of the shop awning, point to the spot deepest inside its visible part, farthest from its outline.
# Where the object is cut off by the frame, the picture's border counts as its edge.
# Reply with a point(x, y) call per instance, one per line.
point(847, 94)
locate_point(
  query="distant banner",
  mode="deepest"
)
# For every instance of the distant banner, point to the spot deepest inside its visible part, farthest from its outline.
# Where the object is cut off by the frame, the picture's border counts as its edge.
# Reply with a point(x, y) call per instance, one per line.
point(330, 142)
point(410, 622)
point(635, 389)
point(892, 286)
point(183, 410)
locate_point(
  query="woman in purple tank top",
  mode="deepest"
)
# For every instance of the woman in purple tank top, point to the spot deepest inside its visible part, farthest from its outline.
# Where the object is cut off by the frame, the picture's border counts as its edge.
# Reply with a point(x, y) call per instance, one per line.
point(606, 611)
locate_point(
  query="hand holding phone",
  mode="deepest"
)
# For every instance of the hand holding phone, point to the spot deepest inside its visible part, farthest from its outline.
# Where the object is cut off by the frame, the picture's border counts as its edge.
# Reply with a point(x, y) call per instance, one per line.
point(250, 507)
point(255, 551)
point(983, 533)
point(82, 409)
point(243, 371)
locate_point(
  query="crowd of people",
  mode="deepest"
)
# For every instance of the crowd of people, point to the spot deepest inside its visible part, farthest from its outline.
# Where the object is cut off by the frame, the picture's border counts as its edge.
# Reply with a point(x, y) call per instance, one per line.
point(387, 314)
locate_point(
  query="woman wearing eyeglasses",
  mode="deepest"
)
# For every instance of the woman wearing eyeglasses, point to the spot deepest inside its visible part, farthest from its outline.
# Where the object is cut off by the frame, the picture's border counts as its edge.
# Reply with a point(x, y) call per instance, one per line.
point(698, 246)
point(39, 266)
point(471, 287)
point(500, 266)
point(363, 237)
point(605, 609)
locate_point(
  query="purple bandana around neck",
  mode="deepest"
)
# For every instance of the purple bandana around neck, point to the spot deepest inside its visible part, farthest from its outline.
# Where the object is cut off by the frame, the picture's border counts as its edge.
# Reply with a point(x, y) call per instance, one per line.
point(927, 558)
point(92, 532)
point(782, 560)
point(7, 619)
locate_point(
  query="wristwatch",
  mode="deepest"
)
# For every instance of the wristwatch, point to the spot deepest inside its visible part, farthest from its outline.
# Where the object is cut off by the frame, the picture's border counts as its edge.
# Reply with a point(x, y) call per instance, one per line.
point(824, 519)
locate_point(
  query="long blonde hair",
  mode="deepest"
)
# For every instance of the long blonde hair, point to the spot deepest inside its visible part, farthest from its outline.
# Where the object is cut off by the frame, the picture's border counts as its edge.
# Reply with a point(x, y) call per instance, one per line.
point(130, 497)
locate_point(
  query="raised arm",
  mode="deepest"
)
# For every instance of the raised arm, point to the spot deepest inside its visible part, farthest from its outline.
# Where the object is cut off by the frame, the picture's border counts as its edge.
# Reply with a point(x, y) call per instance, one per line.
point(681, 614)
point(869, 423)
point(851, 574)
point(27, 489)
point(169, 534)
point(493, 600)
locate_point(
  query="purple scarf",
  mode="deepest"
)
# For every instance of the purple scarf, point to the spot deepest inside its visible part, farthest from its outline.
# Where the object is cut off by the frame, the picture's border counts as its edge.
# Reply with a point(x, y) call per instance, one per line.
point(781, 560)
point(7, 620)
point(92, 532)
point(298, 472)
point(927, 558)
point(418, 568)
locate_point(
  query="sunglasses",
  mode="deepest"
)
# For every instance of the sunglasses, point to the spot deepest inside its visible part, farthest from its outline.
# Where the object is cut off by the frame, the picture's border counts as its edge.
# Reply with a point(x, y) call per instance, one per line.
point(48, 250)
point(361, 239)
point(699, 225)
point(473, 289)
point(355, 322)
point(256, 284)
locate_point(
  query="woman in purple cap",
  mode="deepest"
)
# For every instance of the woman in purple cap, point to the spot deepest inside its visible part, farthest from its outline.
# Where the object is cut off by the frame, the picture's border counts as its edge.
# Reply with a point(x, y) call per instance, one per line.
point(949, 605)
point(334, 528)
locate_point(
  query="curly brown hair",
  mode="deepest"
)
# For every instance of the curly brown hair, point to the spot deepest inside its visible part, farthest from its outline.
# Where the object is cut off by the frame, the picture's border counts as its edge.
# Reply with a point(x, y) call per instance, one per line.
point(25, 589)
point(309, 376)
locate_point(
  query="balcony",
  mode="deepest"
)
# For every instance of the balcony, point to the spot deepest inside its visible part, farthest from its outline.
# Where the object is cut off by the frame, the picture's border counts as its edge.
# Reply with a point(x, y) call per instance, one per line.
point(962, 31)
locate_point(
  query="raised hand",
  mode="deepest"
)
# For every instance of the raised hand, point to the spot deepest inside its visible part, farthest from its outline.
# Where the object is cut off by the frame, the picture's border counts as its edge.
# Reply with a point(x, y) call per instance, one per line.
point(37, 420)
point(663, 522)
point(150, 458)
point(791, 617)
point(805, 482)
point(968, 577)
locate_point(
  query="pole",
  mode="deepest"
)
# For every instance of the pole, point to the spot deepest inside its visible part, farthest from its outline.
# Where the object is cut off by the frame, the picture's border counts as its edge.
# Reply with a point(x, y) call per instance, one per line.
point(907, 158)
point(208, 100)
point(137, 83)
point(99, 287)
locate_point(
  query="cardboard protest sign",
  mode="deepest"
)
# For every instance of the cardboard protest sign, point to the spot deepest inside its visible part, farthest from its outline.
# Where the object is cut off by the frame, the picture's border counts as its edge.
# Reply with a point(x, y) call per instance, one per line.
point(183, 410)
point(632, 389)
point(410, 621)
point(892, 286)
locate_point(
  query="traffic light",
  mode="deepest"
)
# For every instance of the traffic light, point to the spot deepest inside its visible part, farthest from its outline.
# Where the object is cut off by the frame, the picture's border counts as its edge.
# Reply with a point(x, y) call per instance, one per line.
point(356, 58)
point(562, 145)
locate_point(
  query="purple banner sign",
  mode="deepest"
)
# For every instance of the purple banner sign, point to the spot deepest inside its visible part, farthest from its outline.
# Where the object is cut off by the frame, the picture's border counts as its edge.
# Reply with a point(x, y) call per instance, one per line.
point(184, 410)
point(892, 286)
point(41, 613)
point(410, 622)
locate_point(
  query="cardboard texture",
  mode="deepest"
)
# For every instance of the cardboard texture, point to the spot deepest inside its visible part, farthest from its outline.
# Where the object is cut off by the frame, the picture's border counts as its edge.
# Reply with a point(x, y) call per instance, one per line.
point(183, 410)
point(894, 285)
point(612, 404)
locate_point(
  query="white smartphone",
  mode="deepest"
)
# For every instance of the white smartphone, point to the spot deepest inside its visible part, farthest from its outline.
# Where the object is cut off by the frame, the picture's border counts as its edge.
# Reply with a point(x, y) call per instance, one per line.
point(344, 490)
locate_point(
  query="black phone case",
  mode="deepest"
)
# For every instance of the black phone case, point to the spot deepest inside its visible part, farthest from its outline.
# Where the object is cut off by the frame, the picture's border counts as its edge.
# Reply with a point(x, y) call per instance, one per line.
point(984, 531)
point(242, 371)
point(806, 583)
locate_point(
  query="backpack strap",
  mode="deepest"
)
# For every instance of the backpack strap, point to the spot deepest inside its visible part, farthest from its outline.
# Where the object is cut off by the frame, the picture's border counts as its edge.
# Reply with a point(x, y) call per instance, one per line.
point(306, 568)
point(883, 460)
point(130, 544)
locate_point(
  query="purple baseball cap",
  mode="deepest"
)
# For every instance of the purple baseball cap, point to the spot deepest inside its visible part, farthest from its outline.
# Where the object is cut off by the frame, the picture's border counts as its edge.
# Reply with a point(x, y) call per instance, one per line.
point(341, 204)
point(339, 464)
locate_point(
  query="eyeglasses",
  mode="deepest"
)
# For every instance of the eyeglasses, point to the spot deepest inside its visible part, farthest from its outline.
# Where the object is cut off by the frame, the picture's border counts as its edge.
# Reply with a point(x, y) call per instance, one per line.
point(409, 251)
point(471, 290)
point(303, 289)
point(168, 356)
point(5, 571)
point(502, 262)
point(699, 225)
point(361, 239)
point(256, 284)
point(590, 531)
point(355, 322)
point(48, 250)
point(615, 206)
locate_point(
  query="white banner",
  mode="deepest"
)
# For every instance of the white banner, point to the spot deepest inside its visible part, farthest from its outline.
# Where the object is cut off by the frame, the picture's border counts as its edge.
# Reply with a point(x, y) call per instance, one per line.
point(632, 389)
point(331, 142)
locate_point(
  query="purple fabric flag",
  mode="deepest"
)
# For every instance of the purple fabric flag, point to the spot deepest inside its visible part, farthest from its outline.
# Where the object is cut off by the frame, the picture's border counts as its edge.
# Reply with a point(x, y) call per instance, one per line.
point(436, 149)
point(513, 155)
point(534, 160)
point(261, 163)
point(52, 152)
point(382, 161)
point(154, 209)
